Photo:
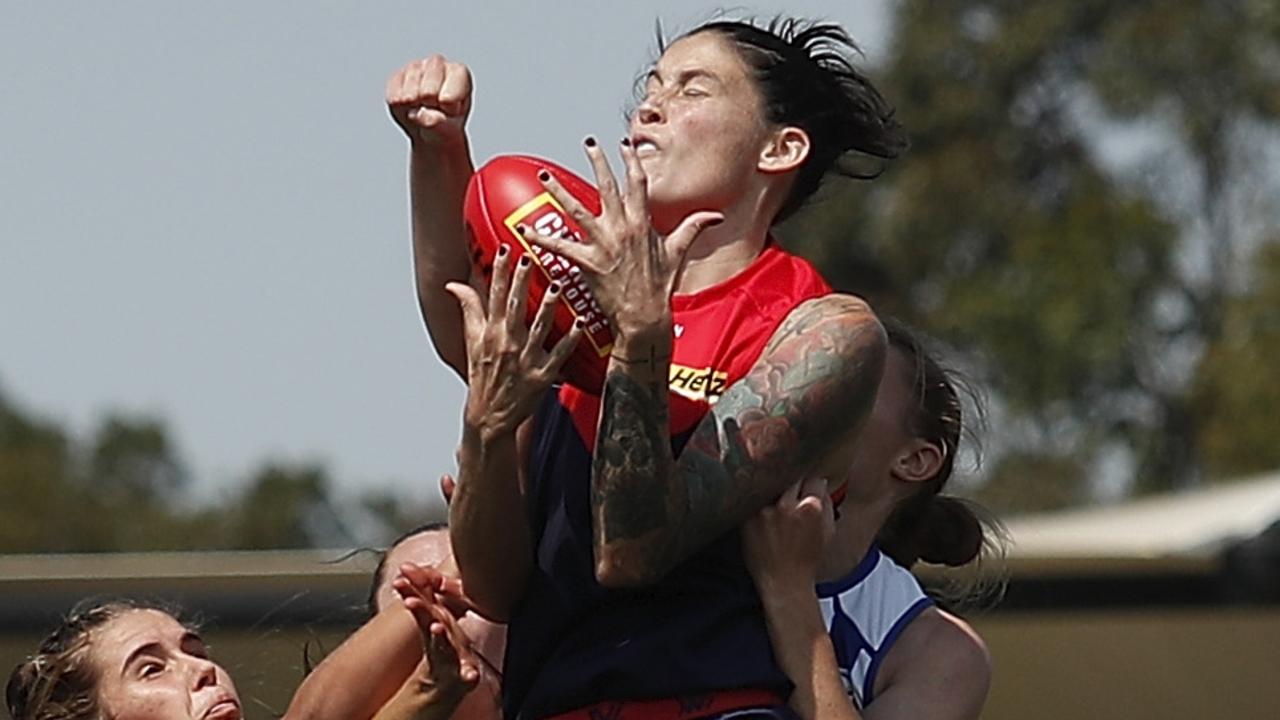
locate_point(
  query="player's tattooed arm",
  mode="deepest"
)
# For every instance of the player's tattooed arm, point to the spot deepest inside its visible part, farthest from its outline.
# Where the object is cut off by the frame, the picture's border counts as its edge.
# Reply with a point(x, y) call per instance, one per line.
point(810, 389)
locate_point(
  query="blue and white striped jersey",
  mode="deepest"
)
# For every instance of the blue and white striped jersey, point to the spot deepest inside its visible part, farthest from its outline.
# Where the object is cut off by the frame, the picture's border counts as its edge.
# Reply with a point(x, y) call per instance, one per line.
point(865, 612)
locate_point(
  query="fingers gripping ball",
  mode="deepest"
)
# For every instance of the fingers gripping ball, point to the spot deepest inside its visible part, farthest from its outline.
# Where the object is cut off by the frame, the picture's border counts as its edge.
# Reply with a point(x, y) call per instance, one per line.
point(506, 193)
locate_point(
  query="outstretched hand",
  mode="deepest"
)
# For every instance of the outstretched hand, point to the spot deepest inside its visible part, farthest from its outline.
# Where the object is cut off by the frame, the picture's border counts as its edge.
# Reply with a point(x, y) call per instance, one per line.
point(507, 367)
point(630, 269)
point(450, 669)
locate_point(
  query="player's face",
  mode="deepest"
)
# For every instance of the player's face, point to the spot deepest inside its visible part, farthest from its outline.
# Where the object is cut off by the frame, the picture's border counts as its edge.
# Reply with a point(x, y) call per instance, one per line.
point(429, 548)
point(700, 128)
point(150, 667)
point(886, 434)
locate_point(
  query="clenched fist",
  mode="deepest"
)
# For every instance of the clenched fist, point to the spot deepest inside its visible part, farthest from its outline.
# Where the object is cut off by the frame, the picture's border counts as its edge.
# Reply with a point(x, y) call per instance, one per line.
point(430, 100)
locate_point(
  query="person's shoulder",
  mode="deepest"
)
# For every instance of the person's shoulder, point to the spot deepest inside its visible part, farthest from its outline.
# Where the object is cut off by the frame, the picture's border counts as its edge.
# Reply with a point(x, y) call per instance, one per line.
point(830, 308)
point(835, 318)
point(938, 668)
point(946, 630)
point(939, 642)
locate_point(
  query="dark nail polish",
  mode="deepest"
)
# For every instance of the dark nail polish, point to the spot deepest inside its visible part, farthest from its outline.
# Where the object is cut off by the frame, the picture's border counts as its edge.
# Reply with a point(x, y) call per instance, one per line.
point(522, 228)
point(590, 141)
point(565, 233)
point(554, 288)
point(579, 323)
point(626, 142)
point(502, 249)
point(543, 175)
point(713, 222)
point(524, 261)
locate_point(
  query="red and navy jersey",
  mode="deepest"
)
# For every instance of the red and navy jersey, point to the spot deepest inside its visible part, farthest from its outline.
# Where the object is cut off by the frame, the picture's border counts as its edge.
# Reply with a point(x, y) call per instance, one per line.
point(572, 642)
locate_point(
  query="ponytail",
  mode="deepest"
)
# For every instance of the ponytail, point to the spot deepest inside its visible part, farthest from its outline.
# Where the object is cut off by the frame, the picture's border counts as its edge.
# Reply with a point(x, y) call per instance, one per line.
point(929, 526)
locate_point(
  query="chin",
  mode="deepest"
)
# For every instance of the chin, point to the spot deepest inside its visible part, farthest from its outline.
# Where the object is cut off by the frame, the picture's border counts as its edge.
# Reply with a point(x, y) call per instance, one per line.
point(666, 214)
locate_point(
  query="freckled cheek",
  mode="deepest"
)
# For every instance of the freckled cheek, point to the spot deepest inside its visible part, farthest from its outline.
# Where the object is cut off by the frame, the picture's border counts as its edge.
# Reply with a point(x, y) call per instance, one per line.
point(138, 703)
point(715, 136)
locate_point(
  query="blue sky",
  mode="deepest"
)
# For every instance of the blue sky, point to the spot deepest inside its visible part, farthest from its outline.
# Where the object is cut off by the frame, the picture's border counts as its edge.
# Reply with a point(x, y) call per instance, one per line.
point(203, 211)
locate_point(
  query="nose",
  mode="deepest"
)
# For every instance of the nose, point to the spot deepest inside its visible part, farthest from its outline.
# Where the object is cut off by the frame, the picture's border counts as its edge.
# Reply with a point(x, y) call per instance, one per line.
point(205, 674)
point(649, 111)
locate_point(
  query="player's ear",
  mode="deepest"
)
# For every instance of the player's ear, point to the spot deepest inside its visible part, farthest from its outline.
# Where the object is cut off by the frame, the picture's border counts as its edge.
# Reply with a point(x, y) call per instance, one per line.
point(785, 150)
point(918, 461)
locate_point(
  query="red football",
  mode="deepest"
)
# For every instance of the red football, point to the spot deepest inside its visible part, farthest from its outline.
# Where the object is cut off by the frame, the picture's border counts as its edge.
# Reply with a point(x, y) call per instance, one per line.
point(506, 192)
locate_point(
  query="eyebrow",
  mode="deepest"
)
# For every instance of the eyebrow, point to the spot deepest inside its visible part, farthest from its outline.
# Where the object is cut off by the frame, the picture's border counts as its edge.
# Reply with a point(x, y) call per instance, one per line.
point(156, 648)
point(151, 648)
point(685, 75)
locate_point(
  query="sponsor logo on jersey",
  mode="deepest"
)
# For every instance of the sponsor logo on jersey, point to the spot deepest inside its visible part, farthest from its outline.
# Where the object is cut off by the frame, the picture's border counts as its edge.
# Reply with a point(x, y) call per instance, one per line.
point(701, 384)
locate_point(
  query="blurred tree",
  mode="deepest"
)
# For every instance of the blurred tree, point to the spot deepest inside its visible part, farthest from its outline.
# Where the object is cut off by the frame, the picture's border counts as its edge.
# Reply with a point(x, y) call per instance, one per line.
point(286, 506)
point(1008, 230)
point(1209, 72)
point(37, 499)
point(125, 490)
point(134, 459)
point(1237, 391)
point(131, 489)
point(396, 514)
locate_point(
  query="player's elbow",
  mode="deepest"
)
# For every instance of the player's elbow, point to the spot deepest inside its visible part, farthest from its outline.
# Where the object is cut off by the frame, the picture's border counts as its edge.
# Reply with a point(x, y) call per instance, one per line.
point(615, 568)
point(495, 607)
point(493, 590)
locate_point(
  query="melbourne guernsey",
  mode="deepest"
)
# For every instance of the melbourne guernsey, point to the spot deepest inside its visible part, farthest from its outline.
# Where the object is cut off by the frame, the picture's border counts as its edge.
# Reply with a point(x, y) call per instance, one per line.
point(573, 642)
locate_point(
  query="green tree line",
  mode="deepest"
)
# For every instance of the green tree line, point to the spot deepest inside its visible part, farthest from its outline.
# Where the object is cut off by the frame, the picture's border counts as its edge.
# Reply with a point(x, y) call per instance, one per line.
point(125, 488)
point(1089, 216)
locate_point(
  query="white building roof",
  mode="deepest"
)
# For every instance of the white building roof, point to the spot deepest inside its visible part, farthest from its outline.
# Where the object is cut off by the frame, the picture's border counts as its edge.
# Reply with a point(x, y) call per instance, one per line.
point(1197, 523)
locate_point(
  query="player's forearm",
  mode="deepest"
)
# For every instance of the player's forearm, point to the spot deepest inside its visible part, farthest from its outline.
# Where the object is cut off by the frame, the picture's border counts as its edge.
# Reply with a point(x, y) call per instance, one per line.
point(437, 182)
point(633, 493)
point(355, 680)
point(488, 523)
point(415, 701)
point(804, 652)
point(812, 386)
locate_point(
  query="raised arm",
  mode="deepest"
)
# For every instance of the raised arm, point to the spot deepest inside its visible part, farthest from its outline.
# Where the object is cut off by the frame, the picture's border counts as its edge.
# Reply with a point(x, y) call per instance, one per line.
point(449, 669)
point(508, 372)
point(372, 673)
point(359, 677)
point(430, 100)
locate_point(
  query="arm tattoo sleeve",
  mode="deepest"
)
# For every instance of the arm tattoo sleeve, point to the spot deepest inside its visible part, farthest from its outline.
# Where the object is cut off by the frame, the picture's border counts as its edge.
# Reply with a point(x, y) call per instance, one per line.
point(632, 452)
point(812, 386)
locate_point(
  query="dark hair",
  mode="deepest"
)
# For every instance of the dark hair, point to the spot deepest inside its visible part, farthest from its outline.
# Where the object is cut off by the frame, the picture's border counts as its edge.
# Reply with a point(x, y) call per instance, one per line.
point(380, 570)
point(59, 682)
point(807, 79)
point(928, 525)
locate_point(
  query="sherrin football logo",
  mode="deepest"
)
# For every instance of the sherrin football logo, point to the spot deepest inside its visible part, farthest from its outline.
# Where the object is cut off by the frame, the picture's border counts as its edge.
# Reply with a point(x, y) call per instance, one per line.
point(545, 216)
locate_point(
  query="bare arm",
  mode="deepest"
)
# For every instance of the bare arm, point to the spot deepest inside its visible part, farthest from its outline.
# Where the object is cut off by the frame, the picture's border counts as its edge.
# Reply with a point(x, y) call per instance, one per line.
point(430, 100)
point(508, 372)
point(812, 385)
point(804, 652)
point(938, 669)
point(355, 680)
point(488, 522)
point(783, 545)
point(449, 669)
